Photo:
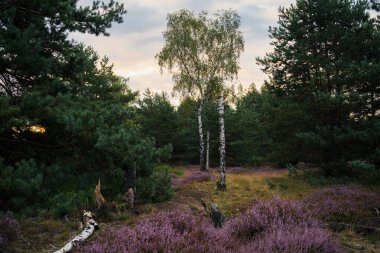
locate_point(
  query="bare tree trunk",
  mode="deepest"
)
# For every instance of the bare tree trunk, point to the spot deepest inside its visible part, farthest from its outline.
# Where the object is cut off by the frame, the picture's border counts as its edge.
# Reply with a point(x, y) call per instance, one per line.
point(222, 147)
point(207, 150)
point(201, 141)
point(129, 185)
point(102, 203)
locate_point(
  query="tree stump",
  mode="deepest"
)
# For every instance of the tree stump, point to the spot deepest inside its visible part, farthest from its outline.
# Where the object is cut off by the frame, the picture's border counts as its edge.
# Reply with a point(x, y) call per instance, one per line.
point(131, 198)
point(215, 214)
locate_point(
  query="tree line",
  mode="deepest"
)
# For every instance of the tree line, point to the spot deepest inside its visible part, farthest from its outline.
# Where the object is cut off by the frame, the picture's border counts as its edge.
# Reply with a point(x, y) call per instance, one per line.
point(320, 104)
point(66, 119)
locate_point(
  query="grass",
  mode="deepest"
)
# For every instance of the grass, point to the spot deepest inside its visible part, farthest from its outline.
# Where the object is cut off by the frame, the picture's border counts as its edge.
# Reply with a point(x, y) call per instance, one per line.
point(245, 189)
point(354, 242)
point(43, 235)
point(178, 171)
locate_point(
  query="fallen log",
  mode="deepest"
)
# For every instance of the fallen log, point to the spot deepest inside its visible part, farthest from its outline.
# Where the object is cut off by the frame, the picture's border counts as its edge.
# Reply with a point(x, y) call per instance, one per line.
point(89, 226)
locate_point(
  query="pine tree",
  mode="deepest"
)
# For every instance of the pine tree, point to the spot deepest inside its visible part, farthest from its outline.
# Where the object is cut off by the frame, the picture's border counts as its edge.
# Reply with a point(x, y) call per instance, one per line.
point(326, 58)
point(65, 117)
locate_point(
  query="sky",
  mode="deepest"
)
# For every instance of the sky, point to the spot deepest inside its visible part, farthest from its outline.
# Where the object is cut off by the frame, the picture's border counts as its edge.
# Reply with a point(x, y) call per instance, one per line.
point(133, 44)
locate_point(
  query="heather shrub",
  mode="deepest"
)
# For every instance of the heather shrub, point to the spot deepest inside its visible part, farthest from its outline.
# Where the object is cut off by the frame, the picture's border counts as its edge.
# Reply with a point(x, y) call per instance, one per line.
point(9, 230)
point(341, 202)
point(174, 231)
point(290, 239)
point(266, 215)
point(269, 226)
point(198, 176)
point(175, 180)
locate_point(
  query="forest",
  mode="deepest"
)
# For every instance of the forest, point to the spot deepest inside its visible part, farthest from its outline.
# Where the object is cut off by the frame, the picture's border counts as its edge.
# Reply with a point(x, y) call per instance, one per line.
point(292, 165)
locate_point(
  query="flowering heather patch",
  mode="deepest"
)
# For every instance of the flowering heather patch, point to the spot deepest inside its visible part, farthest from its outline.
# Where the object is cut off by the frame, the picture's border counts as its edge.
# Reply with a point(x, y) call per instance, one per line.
point(341, 202)
point(286, 239)
point(270, 226)
point(175, 180)
point(198, 176)
point(267, 215)
point(174, 231)
point(9, 229)
point(192, 175)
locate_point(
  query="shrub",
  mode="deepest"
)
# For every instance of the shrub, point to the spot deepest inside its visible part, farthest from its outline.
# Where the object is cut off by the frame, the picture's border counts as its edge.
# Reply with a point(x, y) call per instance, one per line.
point(292, 170)
point(266, 215)
point(283, 239)
point(269, 226)
point(174, 231)
point(10, 230)
point(69, 202)
point(366, 172)
point(155, 188)
point(21, 186)
point(198, 176)
point(340, 202)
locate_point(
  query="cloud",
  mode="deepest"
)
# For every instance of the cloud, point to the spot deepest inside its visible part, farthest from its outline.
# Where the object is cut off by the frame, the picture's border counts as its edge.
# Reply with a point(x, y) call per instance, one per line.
point(133, 44)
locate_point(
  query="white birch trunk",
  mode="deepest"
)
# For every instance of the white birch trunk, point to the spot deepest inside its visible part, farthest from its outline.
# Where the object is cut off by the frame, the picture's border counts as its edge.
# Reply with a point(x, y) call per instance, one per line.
point(201, 141)
point(86, 233)
point(222, 147)
point(207, 150)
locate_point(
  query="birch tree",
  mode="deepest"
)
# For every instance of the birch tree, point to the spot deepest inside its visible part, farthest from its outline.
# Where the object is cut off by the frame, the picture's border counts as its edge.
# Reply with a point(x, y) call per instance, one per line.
point(201, 53)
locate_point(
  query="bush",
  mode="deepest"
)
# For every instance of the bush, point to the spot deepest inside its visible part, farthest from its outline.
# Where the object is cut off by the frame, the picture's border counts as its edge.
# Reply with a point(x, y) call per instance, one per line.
point(284, 239)
point(67, 203)
point(269, 226)
point(155, 188)
point(292, 170)
point(10, 230)
point(175, 231)
point(198, 176)
point(366, 172)
point(341, 202)
point(20, 186)
point(266, 215)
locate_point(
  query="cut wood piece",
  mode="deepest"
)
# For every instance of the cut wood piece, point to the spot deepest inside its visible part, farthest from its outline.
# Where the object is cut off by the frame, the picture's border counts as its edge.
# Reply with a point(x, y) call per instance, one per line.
point(90, 226)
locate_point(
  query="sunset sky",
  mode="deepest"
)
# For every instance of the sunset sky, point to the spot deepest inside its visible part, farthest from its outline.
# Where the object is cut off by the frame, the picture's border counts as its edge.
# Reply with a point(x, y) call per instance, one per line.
point(134, 43)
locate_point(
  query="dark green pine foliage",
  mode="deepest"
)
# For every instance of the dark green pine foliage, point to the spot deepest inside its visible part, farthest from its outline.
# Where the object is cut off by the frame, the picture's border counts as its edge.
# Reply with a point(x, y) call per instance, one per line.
point(326, 58)
point(65, 118)
point(157, 118)
point(186, 140)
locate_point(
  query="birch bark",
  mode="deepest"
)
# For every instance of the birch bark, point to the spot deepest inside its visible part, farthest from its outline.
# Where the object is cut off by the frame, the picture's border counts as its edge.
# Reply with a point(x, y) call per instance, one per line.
point(207, 150)
point(222, 147)
point(90, 226)
point(201, 141)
